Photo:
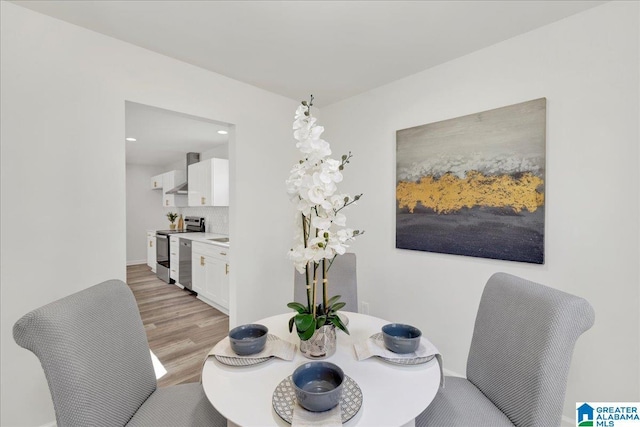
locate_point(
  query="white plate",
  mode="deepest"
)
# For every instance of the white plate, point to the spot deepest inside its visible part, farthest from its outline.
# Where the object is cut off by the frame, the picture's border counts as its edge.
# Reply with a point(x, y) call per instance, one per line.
point(246, 361)
point(401, 360)
point(284, 399)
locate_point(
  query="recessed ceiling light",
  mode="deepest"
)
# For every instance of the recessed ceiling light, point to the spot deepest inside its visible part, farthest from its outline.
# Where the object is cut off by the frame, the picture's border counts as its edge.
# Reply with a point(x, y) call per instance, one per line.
point(130, 139)
point(223, 132)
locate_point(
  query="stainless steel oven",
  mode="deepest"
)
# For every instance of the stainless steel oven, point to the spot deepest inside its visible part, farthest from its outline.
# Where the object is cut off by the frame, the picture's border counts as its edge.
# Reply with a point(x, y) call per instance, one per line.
point(163, 268)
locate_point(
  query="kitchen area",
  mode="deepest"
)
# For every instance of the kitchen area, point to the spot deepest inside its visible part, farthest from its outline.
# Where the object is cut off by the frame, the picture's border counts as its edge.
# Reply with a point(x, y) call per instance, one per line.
point(178, 196)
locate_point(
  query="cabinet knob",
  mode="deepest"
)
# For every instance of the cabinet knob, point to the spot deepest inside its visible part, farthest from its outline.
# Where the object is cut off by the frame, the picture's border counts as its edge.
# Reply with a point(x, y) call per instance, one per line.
point(150, 244)
point(226, 269)
point(201, 260)
point(155, 184)
point(223, 253)
point(202, 200)
point(166, 202)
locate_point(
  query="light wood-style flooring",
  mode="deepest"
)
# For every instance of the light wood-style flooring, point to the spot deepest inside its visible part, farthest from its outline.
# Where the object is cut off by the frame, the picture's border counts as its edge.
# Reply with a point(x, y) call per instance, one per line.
point(180, 328)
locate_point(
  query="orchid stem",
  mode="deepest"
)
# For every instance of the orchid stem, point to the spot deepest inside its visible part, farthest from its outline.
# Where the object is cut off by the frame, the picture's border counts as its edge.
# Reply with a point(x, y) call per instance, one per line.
point(325, 279)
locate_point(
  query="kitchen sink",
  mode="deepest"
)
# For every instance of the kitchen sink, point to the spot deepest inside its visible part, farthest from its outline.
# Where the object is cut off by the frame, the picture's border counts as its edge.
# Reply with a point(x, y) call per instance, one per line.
point(220, 240)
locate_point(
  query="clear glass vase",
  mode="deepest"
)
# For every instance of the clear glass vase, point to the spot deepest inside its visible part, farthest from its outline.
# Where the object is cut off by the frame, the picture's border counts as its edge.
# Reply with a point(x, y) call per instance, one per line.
point(322, 343)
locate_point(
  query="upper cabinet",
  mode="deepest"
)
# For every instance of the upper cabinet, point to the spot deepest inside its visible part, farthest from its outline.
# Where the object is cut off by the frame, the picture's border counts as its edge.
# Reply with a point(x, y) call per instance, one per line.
point(209, 183)
point(156, 182)
point(171, 180)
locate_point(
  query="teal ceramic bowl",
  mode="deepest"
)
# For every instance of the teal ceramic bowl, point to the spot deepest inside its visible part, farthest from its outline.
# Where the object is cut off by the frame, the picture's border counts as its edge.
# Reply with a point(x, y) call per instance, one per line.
point(318, 385)
point(248, 339)
point(401, 338)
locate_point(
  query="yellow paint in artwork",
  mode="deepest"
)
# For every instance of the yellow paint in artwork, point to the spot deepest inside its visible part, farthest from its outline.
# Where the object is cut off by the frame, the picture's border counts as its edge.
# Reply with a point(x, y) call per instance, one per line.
point(450, 193)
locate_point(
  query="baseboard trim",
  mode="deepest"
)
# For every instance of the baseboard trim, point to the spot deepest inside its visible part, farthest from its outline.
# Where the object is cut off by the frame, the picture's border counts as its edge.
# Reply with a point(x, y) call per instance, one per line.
point(213, 304)
point(451, 373)
point(138, 262)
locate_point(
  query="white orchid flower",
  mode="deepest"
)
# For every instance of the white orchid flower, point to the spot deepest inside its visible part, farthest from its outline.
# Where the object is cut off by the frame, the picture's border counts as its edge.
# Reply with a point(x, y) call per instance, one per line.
point(345, 235)
point(305, 207)
point(337, 201)
point(315, 194)
point(337, 248)
point(312, 184)
point(299, 260)
point(327, 207)
point(340, 220)
point(321, 223)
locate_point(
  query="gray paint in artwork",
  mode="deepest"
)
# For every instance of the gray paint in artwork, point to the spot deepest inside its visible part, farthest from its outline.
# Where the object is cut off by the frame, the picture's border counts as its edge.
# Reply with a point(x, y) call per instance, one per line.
point(504, 140)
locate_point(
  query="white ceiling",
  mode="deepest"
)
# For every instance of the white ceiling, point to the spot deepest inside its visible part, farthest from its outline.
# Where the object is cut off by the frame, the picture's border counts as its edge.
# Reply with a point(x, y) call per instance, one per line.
point(333, 49)
point(164, 137)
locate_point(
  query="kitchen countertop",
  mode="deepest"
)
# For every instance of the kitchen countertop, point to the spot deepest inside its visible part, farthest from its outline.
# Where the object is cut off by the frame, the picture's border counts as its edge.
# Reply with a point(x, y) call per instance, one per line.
point(203, 238)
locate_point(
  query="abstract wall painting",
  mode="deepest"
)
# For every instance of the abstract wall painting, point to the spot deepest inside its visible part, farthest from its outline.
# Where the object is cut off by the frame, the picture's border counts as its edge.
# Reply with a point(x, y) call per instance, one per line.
point(474, 185)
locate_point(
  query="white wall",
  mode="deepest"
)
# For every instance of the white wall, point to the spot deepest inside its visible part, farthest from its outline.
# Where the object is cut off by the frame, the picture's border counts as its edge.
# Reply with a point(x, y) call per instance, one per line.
point(587, 68)
point(144, 210)
point(63, 213)
point(219, 152)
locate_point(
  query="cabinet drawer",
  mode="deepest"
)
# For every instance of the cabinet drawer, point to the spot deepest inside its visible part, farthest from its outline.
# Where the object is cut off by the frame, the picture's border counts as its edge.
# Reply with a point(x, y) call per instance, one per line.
point(207, 249)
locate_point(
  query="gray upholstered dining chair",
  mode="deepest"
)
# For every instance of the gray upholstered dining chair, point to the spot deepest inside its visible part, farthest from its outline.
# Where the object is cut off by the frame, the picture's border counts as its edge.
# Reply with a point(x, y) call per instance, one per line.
point(95, 355)
point(519, 358)
point(342, 281)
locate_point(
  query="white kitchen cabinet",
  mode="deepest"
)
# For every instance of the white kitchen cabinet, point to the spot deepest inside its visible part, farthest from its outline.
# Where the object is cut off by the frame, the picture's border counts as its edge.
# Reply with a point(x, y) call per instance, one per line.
point(174, 258)
point(218, 284)
point(198, 271)
point(156, 182)
point(151, 250)
point(171, 180)
point(210, 274)
point(209, 183)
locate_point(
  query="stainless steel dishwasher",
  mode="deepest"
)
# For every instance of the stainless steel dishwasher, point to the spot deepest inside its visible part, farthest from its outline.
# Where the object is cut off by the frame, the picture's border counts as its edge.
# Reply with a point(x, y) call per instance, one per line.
point(184, 272)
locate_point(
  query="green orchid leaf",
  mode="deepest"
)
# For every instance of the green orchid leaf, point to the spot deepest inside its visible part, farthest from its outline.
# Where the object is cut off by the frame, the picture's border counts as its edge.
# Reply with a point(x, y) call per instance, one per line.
point(291, 322)
point(333, 300)
point(320, 321)
point(337, 306)
point(297, 307)
point(306, 334)
point(304, 322)
point(336, 321)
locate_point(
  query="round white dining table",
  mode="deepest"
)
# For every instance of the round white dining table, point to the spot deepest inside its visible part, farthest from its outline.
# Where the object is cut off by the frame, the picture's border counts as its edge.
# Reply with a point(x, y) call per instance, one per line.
point(392, 395)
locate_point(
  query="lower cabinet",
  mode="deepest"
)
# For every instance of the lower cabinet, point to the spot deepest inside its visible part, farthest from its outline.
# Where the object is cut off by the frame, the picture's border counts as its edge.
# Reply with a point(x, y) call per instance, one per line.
point(151, 250)
point(210, 274)
point(174, 258)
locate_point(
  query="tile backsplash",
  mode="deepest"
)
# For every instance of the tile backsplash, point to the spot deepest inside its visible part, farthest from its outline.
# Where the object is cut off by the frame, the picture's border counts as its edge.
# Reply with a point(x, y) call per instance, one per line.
point(216, 219)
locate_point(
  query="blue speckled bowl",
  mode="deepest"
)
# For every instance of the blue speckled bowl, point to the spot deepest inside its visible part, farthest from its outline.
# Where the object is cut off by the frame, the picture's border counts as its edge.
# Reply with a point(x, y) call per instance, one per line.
point(318, 385)
point(401, 338)
point(248, 339)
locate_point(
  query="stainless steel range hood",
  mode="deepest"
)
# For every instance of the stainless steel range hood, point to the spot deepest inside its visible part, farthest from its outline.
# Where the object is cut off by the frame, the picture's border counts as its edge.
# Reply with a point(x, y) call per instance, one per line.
point(184, 188)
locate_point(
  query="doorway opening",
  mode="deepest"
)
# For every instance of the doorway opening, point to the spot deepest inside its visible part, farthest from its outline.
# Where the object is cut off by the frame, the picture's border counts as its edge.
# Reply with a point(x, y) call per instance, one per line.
point(160, 151)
